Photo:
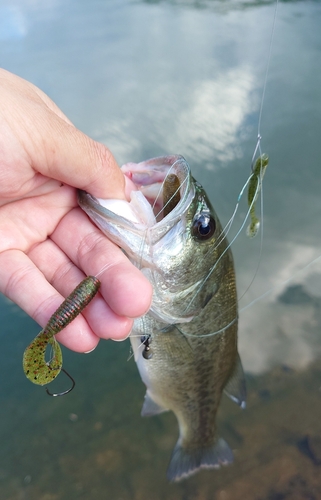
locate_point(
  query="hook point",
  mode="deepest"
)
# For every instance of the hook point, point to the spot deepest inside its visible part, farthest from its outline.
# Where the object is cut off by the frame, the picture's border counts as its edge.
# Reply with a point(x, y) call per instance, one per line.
point(64, 392)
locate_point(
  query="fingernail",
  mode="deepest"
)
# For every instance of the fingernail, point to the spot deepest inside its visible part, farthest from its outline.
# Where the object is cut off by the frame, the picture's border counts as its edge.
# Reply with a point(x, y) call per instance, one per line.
point(121, 340)
point(129, 187)
point(91, 350)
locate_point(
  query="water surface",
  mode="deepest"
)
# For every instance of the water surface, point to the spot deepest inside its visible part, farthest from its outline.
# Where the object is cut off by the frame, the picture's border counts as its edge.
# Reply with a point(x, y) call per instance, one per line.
point(165, 77)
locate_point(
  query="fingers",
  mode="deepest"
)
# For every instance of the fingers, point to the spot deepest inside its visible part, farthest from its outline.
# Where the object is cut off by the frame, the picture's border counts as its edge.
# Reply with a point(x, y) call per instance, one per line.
point(125, 289)
point(90, 165)
point(23, 283)
point(42, 136)
point(26, 222)
point(39, 148)
point(64, 276)
point(76, 244)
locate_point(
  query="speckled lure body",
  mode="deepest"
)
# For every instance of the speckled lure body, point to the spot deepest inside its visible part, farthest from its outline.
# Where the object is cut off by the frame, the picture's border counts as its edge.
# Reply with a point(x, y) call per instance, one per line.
point(253, 192)
point(171, 194)
point(36, 368)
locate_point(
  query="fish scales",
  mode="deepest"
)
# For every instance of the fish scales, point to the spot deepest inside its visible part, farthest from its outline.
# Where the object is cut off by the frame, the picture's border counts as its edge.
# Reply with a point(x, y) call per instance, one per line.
point(185, 347)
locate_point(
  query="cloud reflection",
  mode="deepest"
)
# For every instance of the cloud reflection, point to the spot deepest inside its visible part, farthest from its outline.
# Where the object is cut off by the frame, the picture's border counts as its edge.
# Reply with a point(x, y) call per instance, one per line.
point(284, 327)
point(206, 126)
point(209, 126)
point(13, 24)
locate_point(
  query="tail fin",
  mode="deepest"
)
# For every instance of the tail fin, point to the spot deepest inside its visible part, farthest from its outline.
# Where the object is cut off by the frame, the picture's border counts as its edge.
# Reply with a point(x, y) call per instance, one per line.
point(185, 463)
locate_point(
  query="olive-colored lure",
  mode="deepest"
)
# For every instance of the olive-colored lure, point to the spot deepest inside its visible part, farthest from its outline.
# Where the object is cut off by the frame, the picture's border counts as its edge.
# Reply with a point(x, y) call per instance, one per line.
point(36, 368)
point(171, 194)
point(255, 185)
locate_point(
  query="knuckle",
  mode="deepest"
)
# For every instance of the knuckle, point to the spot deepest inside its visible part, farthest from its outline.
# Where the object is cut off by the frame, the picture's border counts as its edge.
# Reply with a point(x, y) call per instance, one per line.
point(88, 244)
point(102, 159)
point(15, 280)
point(61, 272)
point(98, 254)
point(104, 170)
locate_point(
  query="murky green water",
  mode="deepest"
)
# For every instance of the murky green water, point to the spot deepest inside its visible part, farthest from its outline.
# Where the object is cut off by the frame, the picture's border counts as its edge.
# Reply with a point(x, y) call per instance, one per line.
point(158, 77)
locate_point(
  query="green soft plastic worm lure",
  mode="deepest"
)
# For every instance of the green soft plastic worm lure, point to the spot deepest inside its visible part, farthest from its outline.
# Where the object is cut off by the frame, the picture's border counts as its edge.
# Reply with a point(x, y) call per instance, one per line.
point(35, 366)
point(255, 185)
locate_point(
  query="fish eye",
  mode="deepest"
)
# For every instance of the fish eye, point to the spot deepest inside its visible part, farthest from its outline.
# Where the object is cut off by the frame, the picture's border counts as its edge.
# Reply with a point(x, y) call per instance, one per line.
point(204, 227)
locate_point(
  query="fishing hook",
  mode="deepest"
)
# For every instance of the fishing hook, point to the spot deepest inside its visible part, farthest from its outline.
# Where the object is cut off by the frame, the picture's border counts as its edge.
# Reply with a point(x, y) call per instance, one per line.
point(64, 392)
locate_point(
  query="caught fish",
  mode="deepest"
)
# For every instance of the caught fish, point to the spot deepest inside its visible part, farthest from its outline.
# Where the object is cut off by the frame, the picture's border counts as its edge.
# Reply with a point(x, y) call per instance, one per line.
point(35, 366)
point(254, 189)
point(185, 347)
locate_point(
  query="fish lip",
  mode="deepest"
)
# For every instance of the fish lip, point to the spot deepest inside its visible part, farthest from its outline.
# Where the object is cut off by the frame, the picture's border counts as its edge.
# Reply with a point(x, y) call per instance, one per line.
point(90, 204)
point(142, 173)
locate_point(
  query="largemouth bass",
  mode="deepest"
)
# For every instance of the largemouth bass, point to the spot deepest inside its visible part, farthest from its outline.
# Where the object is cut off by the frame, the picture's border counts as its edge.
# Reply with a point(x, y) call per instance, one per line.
point(185, 347)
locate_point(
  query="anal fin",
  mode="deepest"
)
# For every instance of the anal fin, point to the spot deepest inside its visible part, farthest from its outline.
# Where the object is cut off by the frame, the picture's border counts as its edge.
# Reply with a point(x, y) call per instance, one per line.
point(151, 408)
point(236, 386)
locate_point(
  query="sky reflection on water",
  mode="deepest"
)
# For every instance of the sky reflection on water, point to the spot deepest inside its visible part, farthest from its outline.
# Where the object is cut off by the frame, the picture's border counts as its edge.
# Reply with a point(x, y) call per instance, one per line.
point(159, 77)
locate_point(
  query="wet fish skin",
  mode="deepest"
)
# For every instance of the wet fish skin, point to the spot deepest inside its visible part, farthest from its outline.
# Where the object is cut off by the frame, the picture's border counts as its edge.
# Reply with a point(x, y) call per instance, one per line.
point(192, 324)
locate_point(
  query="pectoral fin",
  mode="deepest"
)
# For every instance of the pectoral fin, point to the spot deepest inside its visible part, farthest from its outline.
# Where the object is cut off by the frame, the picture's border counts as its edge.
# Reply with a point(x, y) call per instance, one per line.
point(151, 408)
point(236, 386)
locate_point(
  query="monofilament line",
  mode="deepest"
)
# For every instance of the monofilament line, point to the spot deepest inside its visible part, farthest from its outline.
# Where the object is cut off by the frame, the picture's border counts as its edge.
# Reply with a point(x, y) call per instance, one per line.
point(259, 136)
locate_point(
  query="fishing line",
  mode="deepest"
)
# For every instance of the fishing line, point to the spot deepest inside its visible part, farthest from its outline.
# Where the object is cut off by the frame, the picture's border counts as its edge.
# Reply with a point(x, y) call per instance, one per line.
point(221, 330)
point(144, 239)
point(257, 299)
point(259, 137)
point(162, 186)
point(285, 282)
point(106, 266)
point(173, 195)
point(222, 254)
point(259, 187)
point(257, 149)
point(162, 209)
point(261, 245)
point(228, 225)
point(258, 146)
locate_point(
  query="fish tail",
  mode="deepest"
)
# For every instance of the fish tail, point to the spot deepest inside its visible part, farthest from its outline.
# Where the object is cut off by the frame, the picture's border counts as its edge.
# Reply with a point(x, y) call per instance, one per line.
point(186, 462)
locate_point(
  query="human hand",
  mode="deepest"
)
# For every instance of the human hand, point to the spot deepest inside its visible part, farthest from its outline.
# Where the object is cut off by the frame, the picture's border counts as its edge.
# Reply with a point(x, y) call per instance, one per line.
point(47, 243)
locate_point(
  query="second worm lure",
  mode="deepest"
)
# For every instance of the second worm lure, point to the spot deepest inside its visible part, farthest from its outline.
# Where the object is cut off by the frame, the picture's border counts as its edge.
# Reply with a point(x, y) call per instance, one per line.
point(253, 193)
point(36, 368)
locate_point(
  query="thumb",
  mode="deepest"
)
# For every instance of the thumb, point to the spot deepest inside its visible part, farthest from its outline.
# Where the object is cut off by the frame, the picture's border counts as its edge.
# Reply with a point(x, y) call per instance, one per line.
point(75, 159)
point(54, 147)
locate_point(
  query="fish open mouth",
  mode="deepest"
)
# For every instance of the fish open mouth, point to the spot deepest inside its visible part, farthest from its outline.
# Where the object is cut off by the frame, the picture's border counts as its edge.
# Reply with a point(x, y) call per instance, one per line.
point(163, 181)
point(151, 228)
point(162, 192)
